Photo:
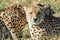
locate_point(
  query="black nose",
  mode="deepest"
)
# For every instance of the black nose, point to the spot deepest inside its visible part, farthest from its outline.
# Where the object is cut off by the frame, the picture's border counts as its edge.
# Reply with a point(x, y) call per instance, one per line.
point(35, 19)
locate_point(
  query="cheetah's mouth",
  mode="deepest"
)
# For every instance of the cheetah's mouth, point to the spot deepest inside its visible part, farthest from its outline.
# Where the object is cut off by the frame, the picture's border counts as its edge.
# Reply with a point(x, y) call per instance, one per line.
point(38, 22)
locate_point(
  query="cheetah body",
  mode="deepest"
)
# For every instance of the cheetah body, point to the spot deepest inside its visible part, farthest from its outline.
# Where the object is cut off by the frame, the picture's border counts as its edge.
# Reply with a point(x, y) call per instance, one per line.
point(43, 25)
point(14, 19)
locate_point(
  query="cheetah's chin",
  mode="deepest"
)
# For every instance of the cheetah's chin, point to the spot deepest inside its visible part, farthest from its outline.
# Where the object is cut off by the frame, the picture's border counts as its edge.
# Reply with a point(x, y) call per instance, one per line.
point(36, 23)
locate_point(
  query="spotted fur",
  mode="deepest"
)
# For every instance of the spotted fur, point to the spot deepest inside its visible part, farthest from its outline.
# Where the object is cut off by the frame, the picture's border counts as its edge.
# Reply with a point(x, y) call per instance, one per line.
point(14, 19)
point(43, 25)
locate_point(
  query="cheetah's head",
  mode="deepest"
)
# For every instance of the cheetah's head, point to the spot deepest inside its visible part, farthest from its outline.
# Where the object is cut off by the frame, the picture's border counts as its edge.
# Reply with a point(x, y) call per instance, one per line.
point(36, 14)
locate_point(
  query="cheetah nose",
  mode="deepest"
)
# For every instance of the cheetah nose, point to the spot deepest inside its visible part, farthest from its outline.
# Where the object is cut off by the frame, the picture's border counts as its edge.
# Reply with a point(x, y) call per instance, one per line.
point(35, 20)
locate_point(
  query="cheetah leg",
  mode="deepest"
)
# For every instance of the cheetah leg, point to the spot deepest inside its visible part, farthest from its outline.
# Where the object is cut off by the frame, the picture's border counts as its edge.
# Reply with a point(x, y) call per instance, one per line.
point(1, 29)
point(11, 29)
point(13, 34)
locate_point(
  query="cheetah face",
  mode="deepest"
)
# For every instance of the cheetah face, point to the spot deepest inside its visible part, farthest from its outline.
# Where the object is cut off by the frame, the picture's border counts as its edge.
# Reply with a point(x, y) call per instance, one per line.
point(35, 14)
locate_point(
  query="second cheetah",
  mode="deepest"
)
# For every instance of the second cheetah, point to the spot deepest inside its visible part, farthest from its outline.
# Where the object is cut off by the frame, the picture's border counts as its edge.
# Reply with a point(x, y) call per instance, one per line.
point(43, 25)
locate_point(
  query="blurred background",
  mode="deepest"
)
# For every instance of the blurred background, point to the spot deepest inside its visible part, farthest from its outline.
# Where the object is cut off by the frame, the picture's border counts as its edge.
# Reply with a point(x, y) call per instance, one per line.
point(55, 5)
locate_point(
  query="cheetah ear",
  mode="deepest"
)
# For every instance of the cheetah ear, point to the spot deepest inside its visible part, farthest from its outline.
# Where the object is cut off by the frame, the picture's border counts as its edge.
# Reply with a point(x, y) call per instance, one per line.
point(48, 10)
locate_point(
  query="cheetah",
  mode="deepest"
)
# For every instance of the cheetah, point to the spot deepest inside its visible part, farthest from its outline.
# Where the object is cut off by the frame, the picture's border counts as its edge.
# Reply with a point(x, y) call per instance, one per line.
point(14, 19)
point(4, 32)
point(43, 25)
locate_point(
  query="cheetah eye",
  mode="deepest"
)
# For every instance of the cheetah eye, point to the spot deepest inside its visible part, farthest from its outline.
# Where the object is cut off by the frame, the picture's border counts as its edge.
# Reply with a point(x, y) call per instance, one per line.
point(30, 12)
